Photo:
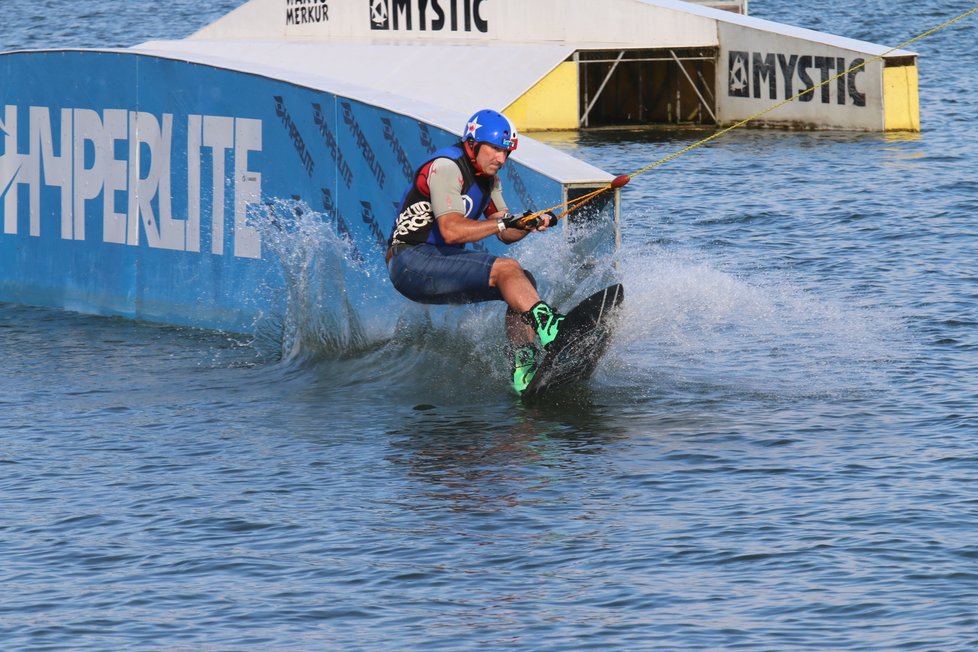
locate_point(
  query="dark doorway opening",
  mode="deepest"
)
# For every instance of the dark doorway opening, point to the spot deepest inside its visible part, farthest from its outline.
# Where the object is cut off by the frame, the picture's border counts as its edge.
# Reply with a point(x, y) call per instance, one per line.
point(671, 86)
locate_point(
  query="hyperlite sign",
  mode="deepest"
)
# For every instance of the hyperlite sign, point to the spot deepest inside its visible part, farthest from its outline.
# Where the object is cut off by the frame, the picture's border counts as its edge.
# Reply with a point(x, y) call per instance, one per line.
point(124, 161)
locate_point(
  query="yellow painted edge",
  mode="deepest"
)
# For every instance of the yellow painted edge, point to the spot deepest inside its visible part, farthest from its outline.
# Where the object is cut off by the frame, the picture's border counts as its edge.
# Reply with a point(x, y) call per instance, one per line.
point(901, 98)
point(550, 104)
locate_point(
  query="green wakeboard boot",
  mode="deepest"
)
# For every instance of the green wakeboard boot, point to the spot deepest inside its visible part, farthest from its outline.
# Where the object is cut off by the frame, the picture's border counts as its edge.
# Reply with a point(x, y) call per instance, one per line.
point(545, 321)
point(524, 366)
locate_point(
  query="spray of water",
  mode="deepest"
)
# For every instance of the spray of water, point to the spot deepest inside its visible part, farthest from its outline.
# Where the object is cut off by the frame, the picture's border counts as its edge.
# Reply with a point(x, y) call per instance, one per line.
point(685, 320)
point(340, 310)
point(322, 272)
point(688, 321)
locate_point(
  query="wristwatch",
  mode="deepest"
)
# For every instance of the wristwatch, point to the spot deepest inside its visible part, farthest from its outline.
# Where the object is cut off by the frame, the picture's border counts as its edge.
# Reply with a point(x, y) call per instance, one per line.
point(500, 225)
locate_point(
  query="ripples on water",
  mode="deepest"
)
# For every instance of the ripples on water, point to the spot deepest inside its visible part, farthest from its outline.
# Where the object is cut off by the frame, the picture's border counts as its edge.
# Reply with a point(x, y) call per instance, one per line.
point(778, 454)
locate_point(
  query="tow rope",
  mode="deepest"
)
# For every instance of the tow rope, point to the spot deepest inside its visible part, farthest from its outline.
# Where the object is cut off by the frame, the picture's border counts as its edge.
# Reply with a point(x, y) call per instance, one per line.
point(621, 180)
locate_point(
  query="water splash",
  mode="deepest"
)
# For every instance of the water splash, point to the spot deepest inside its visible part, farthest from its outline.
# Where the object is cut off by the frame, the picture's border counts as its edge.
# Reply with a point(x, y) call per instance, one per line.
point(342, 315)
point(688, 321)
point(325, 285)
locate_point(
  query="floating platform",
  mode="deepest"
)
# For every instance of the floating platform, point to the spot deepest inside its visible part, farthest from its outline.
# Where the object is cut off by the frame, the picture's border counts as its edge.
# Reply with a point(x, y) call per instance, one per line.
point(570, 64)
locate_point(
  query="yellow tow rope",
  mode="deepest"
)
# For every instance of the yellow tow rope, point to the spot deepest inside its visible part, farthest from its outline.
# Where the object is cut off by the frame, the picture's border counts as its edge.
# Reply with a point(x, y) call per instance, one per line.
point(621, 180)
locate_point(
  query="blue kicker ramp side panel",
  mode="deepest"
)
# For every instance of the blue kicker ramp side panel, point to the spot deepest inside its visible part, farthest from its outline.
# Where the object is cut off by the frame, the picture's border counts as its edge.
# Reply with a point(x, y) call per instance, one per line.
point(139, 186)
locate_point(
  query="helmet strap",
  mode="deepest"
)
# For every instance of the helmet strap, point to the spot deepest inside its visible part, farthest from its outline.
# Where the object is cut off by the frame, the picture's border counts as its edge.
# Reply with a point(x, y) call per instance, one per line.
point(472, 149)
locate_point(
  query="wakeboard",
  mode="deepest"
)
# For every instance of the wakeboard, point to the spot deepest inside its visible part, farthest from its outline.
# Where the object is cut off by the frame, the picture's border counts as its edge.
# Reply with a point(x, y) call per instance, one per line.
point(581, 342)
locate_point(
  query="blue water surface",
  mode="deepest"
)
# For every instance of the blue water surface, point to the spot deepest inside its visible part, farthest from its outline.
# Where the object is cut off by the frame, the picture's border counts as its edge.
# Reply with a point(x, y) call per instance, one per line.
point(778, 453)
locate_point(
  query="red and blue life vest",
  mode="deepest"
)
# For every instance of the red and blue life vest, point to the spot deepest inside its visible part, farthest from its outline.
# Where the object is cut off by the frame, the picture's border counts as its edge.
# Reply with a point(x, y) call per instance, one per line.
point(415, 222)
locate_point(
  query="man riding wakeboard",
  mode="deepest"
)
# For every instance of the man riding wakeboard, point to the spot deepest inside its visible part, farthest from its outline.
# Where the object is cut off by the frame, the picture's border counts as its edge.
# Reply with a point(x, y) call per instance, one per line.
point(456, 198)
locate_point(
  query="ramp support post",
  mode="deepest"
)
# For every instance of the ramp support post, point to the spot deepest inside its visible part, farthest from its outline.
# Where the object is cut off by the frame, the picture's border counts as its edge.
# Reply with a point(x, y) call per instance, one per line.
point(696, 90)
point(583, 121)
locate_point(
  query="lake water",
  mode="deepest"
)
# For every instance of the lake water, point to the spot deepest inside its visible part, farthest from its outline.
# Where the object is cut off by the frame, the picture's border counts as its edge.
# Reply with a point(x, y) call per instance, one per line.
point(779, 452)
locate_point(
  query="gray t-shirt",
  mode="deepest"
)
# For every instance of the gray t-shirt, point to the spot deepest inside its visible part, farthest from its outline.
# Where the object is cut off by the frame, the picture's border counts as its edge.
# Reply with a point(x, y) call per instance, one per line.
point(445, 189)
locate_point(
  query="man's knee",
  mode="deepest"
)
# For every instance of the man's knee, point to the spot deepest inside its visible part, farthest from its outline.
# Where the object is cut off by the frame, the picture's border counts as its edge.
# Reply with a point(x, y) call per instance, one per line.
point(506, 266)
point(511, 266)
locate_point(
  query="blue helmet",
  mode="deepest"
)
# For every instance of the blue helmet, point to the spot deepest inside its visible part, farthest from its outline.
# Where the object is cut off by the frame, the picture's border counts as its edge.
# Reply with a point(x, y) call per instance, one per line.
point(488, 126)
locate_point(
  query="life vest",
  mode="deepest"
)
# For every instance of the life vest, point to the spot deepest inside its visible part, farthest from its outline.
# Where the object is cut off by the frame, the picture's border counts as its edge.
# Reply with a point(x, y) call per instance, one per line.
point(415, 222)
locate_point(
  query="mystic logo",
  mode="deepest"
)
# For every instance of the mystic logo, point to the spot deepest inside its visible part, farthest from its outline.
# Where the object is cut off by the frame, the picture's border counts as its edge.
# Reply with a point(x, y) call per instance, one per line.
point(399, 15)
point(751, 73)
point(379, 15)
